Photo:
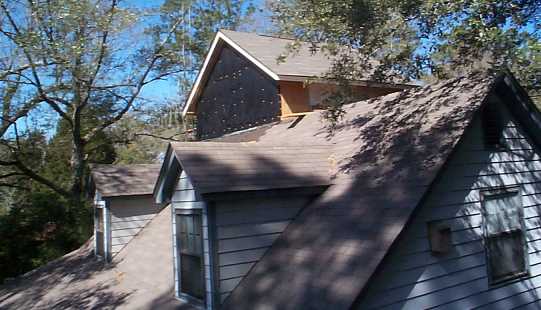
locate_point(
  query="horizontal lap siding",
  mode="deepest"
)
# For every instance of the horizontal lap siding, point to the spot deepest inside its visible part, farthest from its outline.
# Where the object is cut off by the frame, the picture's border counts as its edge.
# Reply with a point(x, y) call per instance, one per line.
point(412, 278)
point(185, 197)
point(128, 217)
point(245, 230)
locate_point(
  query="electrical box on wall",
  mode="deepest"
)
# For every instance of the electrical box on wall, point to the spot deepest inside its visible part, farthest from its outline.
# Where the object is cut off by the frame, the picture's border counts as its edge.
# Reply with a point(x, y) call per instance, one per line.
point(439, 237)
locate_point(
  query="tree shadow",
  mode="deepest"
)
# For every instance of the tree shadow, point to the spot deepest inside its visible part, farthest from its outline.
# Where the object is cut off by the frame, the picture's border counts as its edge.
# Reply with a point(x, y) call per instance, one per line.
point(65, 283)
point(411, 274)
point(167, 301)
point(387, 151)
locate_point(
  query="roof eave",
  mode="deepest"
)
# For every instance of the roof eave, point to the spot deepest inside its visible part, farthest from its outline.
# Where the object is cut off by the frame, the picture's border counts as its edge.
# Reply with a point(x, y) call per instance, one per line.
point(367, 83)
point(127, 195)
point(165, 170)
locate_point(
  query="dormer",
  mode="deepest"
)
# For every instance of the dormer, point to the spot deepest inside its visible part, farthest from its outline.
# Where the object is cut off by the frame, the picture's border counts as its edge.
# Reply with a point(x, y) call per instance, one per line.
point(242, 84)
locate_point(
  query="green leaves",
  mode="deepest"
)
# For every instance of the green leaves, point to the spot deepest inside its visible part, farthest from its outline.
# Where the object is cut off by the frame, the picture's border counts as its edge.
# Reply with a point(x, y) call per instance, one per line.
point(415, 39)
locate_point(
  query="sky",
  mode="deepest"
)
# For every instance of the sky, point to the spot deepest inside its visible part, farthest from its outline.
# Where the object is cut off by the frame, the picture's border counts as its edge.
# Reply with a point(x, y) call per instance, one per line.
point(157, 93)
point(168, 90)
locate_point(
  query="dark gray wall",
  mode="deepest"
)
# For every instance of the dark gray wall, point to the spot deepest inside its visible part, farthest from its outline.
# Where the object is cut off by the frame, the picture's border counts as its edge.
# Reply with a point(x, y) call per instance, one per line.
point(245, 230)
point(237, 96)
point(412, 278)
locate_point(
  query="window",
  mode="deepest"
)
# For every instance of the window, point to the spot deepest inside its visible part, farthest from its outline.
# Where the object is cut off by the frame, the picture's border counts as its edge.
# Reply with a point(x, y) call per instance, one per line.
point(190, 250)
point(492, 127)
point(504, 234)
point(100, 235)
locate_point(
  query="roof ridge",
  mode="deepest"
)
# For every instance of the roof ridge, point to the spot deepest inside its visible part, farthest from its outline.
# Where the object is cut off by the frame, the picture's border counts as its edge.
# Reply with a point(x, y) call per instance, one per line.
point(268, 35)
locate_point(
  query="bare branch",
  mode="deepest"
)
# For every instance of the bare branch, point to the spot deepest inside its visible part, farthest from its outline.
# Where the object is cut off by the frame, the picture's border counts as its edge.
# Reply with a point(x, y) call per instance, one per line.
point(101, 55)
point(170, 138)
point(33, 67)
point(35, 176)
point(12, 174)
point(11, 185)
point(142, 81)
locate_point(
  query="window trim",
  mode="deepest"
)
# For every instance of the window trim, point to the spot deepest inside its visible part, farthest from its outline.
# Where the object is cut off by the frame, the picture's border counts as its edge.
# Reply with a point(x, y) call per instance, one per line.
point(190, 298)
point(495, 193)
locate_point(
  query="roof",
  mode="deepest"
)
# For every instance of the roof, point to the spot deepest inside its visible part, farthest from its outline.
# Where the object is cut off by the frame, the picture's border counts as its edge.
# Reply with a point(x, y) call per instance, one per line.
point(264, 51)
point(267, 49)
point(116, 180)
point(250, 166)
point(387, 151)
point(139, 277)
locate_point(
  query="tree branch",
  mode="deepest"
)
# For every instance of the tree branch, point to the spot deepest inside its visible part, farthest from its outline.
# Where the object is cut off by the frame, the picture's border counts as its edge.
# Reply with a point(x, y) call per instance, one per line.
point(170, 138)
point(11, 185)
point(101, 55)
point(12, 174)
point(33, 67)
point(35, 176)
point(137, 90)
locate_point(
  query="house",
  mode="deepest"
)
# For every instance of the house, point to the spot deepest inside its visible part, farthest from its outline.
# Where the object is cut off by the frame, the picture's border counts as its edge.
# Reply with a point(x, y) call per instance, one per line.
point(123, 204)
point(242, 83)
point(419, 199)
point(215, 224)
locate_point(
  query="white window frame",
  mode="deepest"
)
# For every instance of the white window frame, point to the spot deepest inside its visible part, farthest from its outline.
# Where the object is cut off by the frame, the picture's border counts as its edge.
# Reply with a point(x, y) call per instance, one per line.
point(181, 292)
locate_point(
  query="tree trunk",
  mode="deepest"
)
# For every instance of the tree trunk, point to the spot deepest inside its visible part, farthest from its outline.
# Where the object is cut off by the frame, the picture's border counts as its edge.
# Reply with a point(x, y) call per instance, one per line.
point(78, 160)
point(78, 166)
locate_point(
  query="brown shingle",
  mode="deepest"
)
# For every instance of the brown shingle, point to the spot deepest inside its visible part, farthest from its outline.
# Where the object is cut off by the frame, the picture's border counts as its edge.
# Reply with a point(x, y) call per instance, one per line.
point(216, 167)
point(387, 151)
point(116, 180)
point(268, 49)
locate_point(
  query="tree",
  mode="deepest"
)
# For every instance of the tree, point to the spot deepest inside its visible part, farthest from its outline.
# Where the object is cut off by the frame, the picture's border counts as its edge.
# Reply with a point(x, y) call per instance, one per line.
point(413, 39)
point(82, 64)
point(201, 19)
point(142, 136)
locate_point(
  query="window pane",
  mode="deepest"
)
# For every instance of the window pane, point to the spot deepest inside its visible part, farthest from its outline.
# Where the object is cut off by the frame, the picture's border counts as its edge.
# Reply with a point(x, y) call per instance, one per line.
point(182, 223)
point(197, 225)
point(189, 224)
point(183, 239)
point(191, 281)
point(190, 254)
point(197, 245)
point(502, 213)
point(506, 255)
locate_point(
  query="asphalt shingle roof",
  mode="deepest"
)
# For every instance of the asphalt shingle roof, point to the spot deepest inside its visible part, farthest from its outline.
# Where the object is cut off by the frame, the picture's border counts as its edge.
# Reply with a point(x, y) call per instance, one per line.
point(116, 180)
point(387, 151)
point(267, 49)
point(216, 167)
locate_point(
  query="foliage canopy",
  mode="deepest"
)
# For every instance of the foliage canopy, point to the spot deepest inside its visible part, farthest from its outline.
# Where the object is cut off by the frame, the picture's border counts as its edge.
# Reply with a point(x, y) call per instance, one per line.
point(419, 40)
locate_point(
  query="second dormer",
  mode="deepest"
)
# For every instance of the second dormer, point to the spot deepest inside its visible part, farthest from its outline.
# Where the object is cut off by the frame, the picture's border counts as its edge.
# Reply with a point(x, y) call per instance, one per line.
point(242, 84)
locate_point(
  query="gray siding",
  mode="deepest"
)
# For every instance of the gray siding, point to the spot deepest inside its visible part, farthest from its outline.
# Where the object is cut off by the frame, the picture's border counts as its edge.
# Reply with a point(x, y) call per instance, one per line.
point(186, 197)
point(412, 278)
point(128, 215)
point(245, 230)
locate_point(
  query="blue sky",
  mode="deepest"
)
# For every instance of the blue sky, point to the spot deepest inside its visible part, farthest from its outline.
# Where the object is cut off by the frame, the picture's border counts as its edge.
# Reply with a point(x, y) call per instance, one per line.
point(168, 90)
point(158, 92)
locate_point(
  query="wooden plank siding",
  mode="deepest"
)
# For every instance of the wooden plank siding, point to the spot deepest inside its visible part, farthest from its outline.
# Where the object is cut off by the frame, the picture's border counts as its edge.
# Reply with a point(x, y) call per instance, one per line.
point(128, 215)
point(245, 230)
point(294, 98)
point(412, 278)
